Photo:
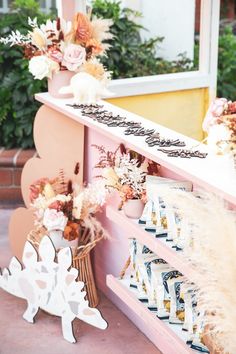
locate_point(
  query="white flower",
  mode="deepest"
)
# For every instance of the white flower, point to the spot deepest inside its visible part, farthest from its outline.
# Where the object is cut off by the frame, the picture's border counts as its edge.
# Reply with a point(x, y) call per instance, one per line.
point(40, 202)
point(60, 198)
point(96, 193)
point(215, 110)
point(219, 138)
point(48, 191)
point(51, 27)
point(42, 66)
point(65, 26)
point(16, 38)
point(32, 23)
point(54, 220)
point(39, 38)
point(78, 203)
point(129, 173)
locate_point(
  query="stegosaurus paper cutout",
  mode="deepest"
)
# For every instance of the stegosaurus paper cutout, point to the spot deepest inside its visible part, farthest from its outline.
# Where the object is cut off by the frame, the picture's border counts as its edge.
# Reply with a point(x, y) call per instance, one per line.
point(49, 285)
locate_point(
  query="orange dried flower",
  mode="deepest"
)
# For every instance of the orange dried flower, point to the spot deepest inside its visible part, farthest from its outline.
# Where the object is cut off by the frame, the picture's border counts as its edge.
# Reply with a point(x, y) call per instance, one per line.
point(37, 187)
point(126, 192)
point(82, 28)
point(95, 46)
point(94, 68)
point(71, 231)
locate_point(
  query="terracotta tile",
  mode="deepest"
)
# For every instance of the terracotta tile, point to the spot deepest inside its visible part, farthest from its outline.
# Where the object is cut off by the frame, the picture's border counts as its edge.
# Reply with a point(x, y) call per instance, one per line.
point(7, 157)
point(6, 176)
point(24, 156)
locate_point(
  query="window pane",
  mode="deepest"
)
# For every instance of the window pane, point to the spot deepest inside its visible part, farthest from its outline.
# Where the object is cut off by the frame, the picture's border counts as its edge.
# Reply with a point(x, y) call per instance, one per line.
point(177, 35)
point(42, 4)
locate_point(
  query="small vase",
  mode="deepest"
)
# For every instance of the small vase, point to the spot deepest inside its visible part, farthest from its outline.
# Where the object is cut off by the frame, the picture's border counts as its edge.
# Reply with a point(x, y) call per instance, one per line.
point(59, 79)
point(133, 208)
point(59, 241)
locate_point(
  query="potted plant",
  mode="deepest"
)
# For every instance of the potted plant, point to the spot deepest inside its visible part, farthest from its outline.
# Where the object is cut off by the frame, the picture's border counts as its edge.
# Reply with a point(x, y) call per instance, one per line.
point(125, 171)
point(220, 125)
point(58, 49)
point(63, 210)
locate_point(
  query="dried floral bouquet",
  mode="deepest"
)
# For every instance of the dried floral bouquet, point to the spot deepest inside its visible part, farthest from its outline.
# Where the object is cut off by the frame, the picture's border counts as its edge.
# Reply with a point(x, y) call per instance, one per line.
point(64, 209)
point(61, 45)
point(220, 124)
point(125, 171)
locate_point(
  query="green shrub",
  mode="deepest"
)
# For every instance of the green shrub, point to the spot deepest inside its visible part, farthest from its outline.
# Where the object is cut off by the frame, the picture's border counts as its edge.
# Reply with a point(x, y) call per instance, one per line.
point(226, 86)
point(18, 87)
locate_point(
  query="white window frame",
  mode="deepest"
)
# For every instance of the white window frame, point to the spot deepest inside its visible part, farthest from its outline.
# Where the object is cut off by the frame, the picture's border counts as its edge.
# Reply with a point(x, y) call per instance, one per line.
point(206, 76)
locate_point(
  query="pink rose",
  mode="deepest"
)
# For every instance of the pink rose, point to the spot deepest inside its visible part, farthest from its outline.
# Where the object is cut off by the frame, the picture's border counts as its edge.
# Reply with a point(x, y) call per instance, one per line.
point(55, 55)
point(215, 110)
point(74, 57)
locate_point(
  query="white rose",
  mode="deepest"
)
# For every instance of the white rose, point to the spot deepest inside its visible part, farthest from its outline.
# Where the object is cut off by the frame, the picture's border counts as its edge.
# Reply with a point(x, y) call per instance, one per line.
point(41, 66)
point(218, 138)
point(78, 204)
point(54, 220)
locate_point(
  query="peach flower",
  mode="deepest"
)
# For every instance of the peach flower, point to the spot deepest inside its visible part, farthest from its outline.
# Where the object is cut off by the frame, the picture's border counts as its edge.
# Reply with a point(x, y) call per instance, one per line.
point(215, 110)
point(95, 46)
point(71, 231)
point(38, 38)
point(112, 180)
point(126, 192)
point(37, 187)
point(82, 28)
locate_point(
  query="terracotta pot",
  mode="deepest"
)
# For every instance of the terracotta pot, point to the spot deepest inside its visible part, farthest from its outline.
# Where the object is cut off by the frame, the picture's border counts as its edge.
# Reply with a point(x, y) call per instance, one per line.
point(133, 208)
point(59, 241)
point(59, 79)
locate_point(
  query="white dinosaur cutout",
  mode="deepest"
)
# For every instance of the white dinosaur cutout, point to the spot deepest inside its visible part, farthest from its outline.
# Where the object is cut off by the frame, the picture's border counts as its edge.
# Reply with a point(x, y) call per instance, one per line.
point(85, 89)
point(49, 285)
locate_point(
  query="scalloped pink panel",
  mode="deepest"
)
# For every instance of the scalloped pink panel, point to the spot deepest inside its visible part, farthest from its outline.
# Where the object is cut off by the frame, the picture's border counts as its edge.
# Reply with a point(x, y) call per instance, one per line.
point(21, 224)
point(60, 144)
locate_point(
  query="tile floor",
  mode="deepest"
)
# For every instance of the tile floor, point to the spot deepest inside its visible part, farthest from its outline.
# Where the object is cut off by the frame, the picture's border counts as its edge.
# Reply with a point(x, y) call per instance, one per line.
point(44, 337)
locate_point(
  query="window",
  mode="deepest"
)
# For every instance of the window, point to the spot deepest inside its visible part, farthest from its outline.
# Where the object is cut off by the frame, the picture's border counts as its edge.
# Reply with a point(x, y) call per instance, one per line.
point(206, 18)
point(45, 5)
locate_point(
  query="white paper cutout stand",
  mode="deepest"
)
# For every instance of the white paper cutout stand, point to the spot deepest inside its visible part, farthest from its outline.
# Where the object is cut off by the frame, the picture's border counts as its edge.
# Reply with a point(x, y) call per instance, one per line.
point(49, 285)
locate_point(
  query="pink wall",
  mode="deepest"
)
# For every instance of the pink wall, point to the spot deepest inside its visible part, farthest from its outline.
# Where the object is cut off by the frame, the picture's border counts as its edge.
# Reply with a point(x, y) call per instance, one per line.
point(110, 255)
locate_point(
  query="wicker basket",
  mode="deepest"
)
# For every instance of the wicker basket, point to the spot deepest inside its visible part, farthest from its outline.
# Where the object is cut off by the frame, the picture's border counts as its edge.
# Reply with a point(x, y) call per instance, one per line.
point(81, 259)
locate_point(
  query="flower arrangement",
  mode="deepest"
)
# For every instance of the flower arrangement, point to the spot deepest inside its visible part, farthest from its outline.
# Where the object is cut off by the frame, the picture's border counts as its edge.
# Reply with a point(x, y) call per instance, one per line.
point(125, 171)
point(60, 45)
point(66, 207)
point(220, 124)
